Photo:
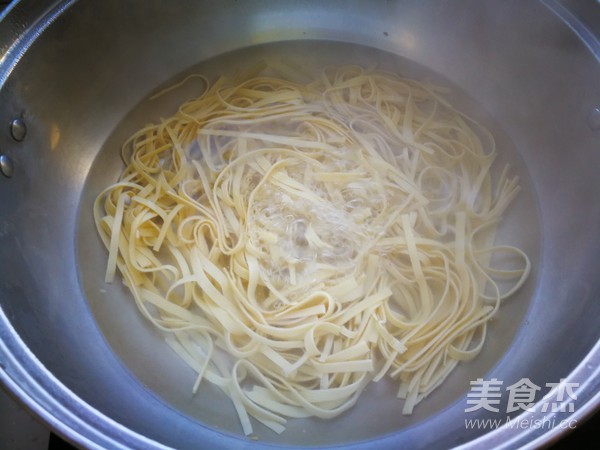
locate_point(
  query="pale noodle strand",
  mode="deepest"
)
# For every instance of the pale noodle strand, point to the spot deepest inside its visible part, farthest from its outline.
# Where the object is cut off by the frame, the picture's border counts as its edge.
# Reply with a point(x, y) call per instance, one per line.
point(322, 235)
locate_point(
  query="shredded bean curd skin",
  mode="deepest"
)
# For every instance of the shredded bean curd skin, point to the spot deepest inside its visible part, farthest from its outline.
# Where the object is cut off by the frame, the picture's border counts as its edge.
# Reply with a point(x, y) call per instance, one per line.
point(297, 241)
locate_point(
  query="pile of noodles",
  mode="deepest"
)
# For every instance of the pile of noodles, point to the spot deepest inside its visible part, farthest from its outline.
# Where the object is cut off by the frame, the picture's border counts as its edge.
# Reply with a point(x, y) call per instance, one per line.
point(296, 241)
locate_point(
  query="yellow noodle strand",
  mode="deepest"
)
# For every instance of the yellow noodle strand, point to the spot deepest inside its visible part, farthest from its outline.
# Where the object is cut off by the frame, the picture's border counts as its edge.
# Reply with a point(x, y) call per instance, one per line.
point(295, 242)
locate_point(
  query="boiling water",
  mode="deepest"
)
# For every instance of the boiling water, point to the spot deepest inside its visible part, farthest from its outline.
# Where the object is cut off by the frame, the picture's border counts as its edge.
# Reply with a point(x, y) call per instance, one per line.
point(142, 348)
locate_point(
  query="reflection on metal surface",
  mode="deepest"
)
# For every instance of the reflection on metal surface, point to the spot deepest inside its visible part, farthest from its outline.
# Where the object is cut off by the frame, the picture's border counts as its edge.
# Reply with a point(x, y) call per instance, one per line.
point(594, 118)
point(6, 166)
point(408, 40)
point(54, 136)
point(18, 129)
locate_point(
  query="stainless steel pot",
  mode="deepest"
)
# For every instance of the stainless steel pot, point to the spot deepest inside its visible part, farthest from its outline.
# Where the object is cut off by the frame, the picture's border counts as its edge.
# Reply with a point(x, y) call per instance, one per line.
point(72, 76)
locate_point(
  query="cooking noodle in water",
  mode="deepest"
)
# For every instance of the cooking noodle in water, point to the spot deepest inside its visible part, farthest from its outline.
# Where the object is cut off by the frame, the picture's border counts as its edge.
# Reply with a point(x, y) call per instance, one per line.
point(297, 241)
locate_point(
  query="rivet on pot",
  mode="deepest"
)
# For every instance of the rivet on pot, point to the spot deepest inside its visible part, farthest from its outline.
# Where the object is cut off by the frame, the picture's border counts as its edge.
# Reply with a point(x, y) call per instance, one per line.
point(6, 166)
point(18, 130)
point(594, 118)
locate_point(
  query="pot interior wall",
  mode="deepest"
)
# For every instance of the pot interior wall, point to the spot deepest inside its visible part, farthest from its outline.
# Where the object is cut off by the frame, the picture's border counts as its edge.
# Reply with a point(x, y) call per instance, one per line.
point(143, 349)
point(82, 89)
